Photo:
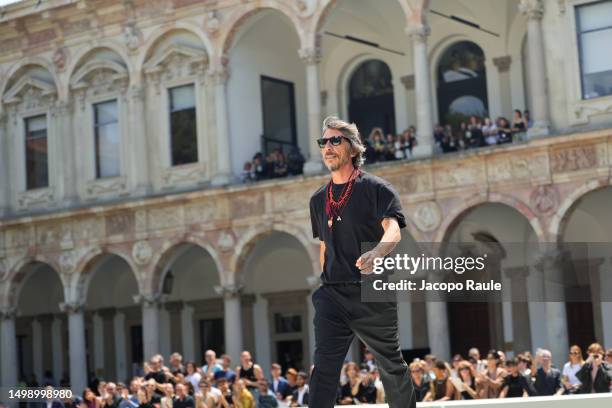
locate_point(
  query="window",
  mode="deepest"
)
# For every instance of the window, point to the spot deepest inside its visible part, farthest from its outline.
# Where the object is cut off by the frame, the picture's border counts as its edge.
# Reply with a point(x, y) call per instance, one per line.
point(184, 140)
point(594, 27)
point(278, 110)
point(106, 125)
point(36, 151)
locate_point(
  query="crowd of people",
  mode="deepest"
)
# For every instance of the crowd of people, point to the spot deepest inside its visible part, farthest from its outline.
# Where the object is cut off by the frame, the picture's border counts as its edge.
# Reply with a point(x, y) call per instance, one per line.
point(473, 133)
point(218, 384)
point(276, 164)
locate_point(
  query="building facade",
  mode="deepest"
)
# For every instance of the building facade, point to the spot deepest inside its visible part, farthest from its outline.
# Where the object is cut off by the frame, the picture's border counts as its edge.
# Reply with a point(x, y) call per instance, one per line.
point(124, 124)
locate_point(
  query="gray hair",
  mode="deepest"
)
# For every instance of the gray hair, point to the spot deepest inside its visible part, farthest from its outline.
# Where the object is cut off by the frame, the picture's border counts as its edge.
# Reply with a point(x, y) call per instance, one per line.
point(350, 131)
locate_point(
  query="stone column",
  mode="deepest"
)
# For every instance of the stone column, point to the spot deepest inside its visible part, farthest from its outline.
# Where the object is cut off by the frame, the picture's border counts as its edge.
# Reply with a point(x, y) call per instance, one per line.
point(188, 335)
point(217, 77)
point(150, 323)
point(505, 92)
point(311, 58)
point(534, 11)
point(262, 333)
point(8, 347)
point(4, 167)
point(605, 279)
point(138, 148)
point(57, 347)
point(98, 343)
point(37, 349)
point(164, 332)
point(423, 95)
point(437, 329)
point(232, 319)
point(314, 283)
point(76, 345)
point(549, 264)
point(121, 368)
point(62, 117)
point(519, 307)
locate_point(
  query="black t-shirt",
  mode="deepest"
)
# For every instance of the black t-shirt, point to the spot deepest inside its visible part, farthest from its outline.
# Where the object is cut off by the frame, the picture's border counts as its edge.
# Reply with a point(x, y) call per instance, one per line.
point(516, 386)
point(186, 402)
point(372, 200)
point(547, 383)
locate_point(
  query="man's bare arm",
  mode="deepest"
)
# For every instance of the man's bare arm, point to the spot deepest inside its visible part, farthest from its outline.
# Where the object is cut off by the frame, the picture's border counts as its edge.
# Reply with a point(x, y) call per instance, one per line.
point(388, 241)
point(322, 254)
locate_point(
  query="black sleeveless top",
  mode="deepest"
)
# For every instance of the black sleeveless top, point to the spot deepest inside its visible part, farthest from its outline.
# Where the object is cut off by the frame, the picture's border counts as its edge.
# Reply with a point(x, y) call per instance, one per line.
point(249, 373)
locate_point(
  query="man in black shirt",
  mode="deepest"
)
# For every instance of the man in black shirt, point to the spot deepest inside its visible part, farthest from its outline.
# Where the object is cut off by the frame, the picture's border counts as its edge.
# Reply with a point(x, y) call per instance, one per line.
point(547, 378)
point(182, 399)
point(353, 209)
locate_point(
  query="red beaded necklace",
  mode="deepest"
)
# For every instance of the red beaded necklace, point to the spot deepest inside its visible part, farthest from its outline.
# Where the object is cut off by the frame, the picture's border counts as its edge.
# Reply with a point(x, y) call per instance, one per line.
point(334, 208)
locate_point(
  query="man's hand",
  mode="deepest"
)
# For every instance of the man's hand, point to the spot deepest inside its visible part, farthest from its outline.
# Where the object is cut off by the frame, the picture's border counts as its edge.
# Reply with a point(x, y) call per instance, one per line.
point(365, 262)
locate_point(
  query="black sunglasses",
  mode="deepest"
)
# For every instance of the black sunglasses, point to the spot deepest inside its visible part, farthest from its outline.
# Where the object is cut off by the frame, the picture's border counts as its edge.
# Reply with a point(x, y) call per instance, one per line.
point(335, 141)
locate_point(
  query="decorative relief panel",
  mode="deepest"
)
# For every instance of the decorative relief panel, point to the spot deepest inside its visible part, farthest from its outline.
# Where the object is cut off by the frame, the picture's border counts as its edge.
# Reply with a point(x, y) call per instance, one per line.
point(208, 210)
point(165, 218)
point(247, 206)
point(544, 199)
point(104, 186)
point(451, 175)
point(410, 183)
point(189, 174)
point(20, 238)
point(427, 216)
point(565, 160)
point(294, 199)
point(35, 198)
point(119, 223)
point(513, 167)
point(88, 229)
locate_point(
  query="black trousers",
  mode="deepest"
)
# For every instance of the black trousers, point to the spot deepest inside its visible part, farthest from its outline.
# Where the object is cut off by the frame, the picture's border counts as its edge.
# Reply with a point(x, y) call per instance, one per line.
point(339, 316)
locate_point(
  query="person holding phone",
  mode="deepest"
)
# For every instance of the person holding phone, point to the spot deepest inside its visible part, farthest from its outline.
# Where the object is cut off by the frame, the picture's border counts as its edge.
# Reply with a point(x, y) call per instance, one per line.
point(595, 375)
point(568, 377)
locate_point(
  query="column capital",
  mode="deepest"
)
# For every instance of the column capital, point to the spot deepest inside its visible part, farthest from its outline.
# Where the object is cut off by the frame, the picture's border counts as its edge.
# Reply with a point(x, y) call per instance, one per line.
point(217, 75)
point(419, 33)
point(408, 81)
point(72, 307)
point(229, 290)
point(149, 299)
point(136, 92)
point(310, 56)
point(516, 272)
point(502, 63)
point(8, 312)
point(548, 258)
point(532, 9)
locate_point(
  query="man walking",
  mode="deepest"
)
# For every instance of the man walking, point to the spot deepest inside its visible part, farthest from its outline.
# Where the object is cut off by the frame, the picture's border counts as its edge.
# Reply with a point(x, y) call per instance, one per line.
point(354, 208)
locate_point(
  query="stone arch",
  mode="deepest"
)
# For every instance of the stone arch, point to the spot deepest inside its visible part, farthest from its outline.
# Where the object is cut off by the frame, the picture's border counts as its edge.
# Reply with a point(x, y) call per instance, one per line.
point(79, 282)
point(108, 44)
point(322, 13)
point(19, 273)
point(32, 61)
point(240, 17)
point(162, 32)
point(452, 219)
point(347, 72)
point(250, 239)
point(559, 220)
point(165, 256)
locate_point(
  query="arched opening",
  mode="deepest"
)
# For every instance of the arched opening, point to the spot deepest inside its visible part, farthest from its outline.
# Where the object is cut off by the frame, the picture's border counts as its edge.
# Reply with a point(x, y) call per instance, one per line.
point(586, 235)
point(275, 271)
point(192, 315)
point(506, 236)
point(370, 102)
point(461, 83)
point(113, 322)
point(271, 92)
point(41, 327)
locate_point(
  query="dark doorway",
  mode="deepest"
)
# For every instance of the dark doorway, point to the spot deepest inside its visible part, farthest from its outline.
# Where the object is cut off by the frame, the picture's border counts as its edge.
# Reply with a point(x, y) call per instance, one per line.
point(580, 323)
point(278, 111)
point(371, 98)
point(462, 83)
point(136, 341)
point(212, 335)
point(469, 327)
point(290, 353)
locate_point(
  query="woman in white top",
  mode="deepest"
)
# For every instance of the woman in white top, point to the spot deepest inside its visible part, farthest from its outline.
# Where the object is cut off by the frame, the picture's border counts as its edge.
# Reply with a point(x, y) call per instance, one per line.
point(192, 375)
point(568, 377)
point(489, 130)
